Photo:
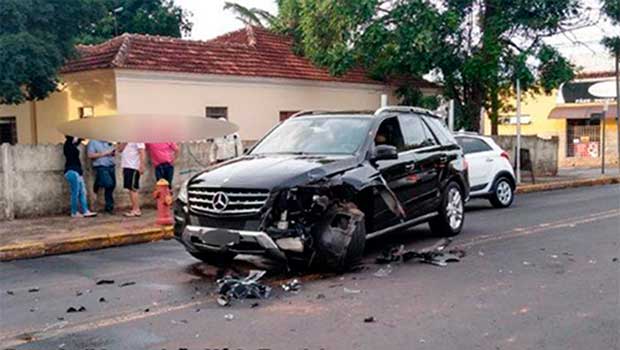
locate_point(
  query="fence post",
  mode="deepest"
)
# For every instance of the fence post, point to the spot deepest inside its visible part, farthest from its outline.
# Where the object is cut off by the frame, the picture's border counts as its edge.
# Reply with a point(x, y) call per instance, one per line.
point(8, 174)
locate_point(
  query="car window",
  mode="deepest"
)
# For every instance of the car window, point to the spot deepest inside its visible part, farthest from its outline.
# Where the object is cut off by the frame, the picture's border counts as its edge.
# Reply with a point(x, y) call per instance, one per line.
point(440, 130)
point(389, 133)
point(416, 132)
point(473, 145)
point(317, 135)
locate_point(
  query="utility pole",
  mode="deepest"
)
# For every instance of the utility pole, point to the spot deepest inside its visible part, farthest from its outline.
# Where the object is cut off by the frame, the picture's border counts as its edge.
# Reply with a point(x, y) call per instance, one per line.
point(618, 106)
point(114, 13)
point(518, 155)
point(451, 115)
point(602, 119)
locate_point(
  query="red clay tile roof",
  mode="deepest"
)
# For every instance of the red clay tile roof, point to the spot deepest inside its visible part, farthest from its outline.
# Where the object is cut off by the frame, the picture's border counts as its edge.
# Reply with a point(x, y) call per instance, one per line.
point(594, 75)
point(250, 52)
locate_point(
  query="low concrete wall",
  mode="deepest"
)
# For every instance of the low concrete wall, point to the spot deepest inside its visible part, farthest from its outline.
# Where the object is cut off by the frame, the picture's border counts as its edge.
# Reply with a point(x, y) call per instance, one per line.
point(544, 152)
point(32, 179)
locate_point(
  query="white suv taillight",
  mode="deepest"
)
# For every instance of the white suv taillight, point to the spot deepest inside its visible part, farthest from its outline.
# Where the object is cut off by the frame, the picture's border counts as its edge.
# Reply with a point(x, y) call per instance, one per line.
point(505, 155)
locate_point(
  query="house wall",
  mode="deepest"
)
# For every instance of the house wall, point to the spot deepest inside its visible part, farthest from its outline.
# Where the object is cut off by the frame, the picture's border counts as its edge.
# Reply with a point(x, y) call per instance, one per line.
point(32, 179)
point(37, 121)
point(253, 103)
point(543, 152)
point(538, 107)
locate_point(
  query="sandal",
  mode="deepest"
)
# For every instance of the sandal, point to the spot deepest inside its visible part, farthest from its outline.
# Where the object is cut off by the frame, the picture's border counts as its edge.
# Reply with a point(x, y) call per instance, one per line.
point(130, 214)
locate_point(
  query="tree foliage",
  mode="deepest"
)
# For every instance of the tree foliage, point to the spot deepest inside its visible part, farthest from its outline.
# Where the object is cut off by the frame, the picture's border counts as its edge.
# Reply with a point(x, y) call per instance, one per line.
point(611, 8)
point(36, 37)
point(476, 48)
point(156, 17)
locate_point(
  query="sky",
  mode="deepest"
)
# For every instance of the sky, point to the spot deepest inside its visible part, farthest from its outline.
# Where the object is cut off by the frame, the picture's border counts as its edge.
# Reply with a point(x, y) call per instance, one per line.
point(581, 46)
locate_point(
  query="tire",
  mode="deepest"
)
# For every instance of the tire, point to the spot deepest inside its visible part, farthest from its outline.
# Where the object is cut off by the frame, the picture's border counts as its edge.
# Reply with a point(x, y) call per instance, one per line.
point(215, 259)
point(503, 193)
point(329, 243)
point(451, 216)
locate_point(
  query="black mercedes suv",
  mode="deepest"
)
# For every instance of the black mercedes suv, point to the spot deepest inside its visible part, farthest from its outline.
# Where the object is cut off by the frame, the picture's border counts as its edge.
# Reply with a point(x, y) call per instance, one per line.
point(320, 184)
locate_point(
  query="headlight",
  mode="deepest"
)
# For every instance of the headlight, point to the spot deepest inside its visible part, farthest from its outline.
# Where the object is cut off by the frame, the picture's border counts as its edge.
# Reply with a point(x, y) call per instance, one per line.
point(183, 192)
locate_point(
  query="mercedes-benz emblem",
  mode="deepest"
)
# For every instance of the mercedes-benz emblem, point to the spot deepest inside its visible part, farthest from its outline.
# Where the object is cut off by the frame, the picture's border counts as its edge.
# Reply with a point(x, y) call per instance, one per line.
point(220, 201)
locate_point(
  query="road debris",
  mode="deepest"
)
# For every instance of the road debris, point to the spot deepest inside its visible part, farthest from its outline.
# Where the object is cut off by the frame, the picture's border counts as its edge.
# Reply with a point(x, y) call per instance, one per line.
point(384, 271)
point(293, 286)
point(434, 255)
point(369, 319)
point(33, 290)
point(126, 284)
point(10, 292)
point(320, 296)
point(102, 300)
point(230, 288)
point(352, 291)
point(101, 282)
point(614, 260)
point(73, 309)
point(229, 317)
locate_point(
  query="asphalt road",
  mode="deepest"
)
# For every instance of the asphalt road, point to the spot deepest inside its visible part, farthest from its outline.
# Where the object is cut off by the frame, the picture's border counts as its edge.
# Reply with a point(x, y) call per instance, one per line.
point(543, 274)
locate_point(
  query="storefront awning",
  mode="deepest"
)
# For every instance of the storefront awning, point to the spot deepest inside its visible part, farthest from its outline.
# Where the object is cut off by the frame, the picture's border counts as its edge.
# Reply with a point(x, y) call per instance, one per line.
point(582, 111)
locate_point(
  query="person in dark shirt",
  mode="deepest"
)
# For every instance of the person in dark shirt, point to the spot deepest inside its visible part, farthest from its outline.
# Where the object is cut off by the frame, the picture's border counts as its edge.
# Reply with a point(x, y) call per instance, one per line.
point(73, 174)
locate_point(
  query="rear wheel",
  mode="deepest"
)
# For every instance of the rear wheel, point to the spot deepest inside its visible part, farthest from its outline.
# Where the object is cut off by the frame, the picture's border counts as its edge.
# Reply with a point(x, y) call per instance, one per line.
point(451, 216)
point(215, 259)
point(503, 193)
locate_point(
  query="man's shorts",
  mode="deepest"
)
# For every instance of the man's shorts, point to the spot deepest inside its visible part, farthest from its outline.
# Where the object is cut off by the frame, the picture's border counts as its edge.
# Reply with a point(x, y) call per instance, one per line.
point(131, 179)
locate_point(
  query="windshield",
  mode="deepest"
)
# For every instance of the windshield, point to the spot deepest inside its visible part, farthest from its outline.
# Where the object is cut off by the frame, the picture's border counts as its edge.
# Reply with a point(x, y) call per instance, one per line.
point(317, 135)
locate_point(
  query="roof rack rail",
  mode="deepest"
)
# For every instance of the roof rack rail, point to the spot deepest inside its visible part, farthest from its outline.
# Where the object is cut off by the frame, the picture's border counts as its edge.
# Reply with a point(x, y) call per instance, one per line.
point(318, 112)
point(405, 109)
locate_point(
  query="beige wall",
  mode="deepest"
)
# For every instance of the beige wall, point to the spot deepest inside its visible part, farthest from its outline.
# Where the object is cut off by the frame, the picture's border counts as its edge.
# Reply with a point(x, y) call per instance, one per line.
point(253, 103)
point(92, 88)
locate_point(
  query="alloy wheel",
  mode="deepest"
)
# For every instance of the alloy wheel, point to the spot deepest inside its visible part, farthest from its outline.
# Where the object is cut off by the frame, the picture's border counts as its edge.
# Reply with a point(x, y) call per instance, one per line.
point(454, 208)
point(504, 192)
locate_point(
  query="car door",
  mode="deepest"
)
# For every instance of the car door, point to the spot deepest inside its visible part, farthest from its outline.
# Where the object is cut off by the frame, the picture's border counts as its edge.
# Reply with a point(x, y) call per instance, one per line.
point(480, 157)
point(426, 159)
point(394, 172)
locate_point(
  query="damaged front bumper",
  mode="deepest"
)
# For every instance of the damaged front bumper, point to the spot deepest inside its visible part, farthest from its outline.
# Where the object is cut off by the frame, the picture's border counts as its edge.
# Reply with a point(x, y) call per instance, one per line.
point(218, 240)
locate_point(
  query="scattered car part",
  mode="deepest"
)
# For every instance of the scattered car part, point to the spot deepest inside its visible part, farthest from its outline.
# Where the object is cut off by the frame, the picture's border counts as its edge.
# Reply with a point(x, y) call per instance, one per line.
point(78, 309)
point(292, 286)
point(101, 282)
point(230, 288)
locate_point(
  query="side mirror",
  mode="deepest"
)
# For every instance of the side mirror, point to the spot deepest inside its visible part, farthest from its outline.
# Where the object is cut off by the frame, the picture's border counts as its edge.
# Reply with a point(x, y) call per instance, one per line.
point(384, 152)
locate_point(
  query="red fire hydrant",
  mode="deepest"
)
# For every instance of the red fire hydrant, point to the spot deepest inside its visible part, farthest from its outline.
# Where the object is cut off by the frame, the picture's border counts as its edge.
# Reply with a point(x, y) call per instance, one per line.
point(164, 202)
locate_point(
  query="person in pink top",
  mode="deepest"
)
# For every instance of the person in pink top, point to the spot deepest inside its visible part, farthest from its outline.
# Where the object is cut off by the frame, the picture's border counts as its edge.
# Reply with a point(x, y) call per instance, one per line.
point(163, 156)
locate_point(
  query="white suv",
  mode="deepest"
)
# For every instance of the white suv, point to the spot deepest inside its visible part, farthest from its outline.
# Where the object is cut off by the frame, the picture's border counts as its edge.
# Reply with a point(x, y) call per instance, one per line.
point(490, 173)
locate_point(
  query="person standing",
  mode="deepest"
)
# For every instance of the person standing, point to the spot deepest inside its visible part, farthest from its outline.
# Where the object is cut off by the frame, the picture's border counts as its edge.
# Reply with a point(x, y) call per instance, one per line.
point(102, 154)
point(73, 174)
point(163, 156)
point(132, 161)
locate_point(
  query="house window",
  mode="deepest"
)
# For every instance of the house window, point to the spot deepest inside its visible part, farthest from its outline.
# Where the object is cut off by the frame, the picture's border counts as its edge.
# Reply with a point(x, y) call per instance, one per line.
point(86, 112)
point(8, 130)
point(583, 138)
point(217, 112)
point(284, 115)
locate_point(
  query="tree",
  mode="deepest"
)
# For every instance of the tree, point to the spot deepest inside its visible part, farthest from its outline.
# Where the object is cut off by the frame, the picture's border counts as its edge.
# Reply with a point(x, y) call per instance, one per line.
point(36, 37)
point(156, 17)
point(251, 16)
point(476, 48)
point(612, 9)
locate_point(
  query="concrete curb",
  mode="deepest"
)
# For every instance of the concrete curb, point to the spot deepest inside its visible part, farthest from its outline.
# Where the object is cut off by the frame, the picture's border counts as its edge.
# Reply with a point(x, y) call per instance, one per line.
point(75, 244)
point(567, 184)
point(81, 243)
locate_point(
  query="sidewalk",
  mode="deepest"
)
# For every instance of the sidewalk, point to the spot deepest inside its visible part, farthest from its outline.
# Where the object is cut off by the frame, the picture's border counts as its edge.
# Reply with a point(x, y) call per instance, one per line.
point(28, 238)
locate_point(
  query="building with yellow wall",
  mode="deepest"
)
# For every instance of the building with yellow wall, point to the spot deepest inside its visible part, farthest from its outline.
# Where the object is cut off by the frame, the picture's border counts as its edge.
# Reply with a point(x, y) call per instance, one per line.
point(569, 113)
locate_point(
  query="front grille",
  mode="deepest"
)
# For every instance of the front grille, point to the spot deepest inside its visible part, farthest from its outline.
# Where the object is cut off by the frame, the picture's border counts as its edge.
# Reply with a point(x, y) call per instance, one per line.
point(226, 201)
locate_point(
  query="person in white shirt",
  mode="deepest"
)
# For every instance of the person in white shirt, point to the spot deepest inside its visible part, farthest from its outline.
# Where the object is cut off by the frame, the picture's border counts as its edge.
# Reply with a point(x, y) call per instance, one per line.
point(132, 162)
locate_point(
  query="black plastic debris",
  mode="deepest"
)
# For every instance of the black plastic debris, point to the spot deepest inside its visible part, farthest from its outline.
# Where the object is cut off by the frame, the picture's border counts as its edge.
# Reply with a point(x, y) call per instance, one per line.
point(126, 284)
point(292, 286)
point(435, 255)
point(255, 305)
point(73, 309)
point(147, 310)
point(230, 288)
point(102, 300)
point(369, 319)
point(33, 290)
point(614, 260)
point(100, 282)
point(320, 296)
point(10, 292)
point(78, 293)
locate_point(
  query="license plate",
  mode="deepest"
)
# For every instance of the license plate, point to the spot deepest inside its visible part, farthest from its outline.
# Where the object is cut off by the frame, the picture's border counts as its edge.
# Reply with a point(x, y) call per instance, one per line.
point(221, 238)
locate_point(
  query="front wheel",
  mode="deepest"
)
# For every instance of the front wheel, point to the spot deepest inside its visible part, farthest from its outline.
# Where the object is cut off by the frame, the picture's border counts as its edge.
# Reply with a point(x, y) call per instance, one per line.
point(503, 194)
point(451, 216)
